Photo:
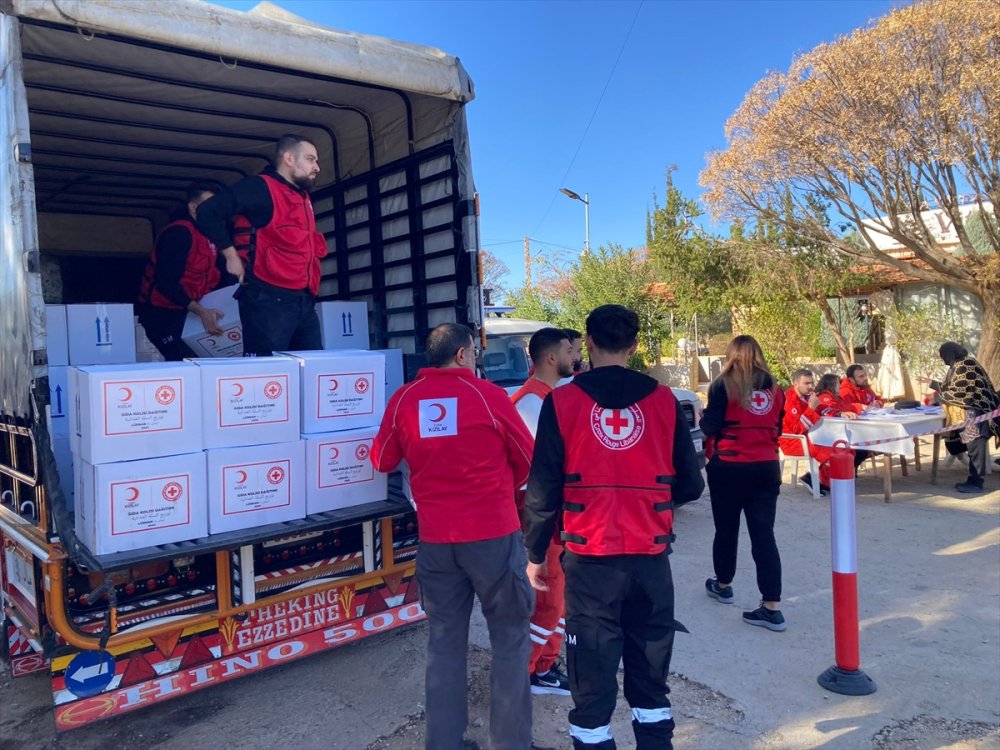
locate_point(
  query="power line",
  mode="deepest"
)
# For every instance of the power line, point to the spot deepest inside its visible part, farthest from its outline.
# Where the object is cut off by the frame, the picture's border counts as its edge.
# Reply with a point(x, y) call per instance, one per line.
point(593, 115)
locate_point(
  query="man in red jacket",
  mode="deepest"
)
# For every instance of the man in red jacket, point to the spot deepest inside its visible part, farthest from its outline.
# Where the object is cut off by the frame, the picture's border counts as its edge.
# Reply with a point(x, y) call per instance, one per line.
point(467, 450)
point(181, 270)
point(552, 357)
point(801, 414)
point(281, 278)
point(857, 391)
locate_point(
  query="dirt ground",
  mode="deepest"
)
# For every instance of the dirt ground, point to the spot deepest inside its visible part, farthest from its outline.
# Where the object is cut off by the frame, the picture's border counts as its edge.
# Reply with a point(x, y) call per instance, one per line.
point(929, 580)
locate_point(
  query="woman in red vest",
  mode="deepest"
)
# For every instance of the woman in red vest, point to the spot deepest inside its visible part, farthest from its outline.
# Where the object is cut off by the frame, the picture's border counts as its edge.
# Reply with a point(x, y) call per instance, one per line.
point(742, 423)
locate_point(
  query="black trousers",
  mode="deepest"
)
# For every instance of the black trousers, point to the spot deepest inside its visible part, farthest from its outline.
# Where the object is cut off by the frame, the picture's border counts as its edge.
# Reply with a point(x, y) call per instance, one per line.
point(163, 329)
point(449, 575)
point(751, 489)
point(275, 321)
point(619, 608)
point(978, 451)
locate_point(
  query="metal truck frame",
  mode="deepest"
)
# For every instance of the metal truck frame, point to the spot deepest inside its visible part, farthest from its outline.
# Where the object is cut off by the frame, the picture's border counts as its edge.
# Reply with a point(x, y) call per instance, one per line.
point(107, 109)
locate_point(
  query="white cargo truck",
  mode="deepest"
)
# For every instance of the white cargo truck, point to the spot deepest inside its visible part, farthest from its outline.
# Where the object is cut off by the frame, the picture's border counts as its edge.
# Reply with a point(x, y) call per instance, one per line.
point(108, 109)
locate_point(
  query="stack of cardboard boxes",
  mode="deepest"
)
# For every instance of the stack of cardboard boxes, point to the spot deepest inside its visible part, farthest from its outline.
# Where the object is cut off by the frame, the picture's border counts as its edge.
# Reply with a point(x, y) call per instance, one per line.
point(165, 452)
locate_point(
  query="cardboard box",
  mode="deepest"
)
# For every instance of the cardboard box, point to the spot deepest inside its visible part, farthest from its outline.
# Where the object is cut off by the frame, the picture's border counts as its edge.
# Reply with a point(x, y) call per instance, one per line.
point(339, 472)
point(64, 465)
point(395, 374)
point(134, 504)
point(100, 334)
point(136, 411)
point(254, 486)
point(56, 336)
point(341, 390)
point(59, 404)
point(344, 324)
point(249, 401)
point(227, 344)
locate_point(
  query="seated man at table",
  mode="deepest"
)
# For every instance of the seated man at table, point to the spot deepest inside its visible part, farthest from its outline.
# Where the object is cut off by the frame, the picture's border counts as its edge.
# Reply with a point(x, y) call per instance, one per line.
point(801, 405)
point(832, 405)
point(857, 392)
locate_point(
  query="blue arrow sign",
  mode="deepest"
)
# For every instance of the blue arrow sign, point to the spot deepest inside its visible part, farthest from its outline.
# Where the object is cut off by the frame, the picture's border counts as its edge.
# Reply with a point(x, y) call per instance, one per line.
point(347, 323)
point(89, 673)
point(97, 320)
point(59, 411)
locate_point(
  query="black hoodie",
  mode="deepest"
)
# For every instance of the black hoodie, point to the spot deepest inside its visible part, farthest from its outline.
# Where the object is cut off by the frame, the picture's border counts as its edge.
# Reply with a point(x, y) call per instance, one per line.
point(611, 387)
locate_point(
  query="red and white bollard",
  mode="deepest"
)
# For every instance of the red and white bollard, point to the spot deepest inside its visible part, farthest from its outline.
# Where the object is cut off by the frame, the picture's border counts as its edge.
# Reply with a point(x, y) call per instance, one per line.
point(846, 677)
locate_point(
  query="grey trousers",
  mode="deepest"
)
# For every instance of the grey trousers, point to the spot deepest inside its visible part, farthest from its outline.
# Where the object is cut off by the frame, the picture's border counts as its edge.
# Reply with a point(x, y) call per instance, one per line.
point(449, 575)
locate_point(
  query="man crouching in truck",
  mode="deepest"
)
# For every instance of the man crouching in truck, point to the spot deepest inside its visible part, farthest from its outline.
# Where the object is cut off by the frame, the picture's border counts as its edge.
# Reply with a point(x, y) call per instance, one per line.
point(467, 450)
point(612, 453)
point(181, 270)
point(281, 277)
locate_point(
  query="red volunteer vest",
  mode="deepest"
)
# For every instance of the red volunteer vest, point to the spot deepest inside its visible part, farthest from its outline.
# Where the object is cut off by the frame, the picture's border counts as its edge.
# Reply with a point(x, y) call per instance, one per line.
point(200, 273)
point(531, 386)
point(831, 406)
point(619, 471)
point(286, 252)
point(750, 434)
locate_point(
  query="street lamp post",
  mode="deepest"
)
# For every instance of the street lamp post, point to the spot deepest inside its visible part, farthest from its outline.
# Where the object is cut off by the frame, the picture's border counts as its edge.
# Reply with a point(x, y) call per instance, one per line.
point(585, 200)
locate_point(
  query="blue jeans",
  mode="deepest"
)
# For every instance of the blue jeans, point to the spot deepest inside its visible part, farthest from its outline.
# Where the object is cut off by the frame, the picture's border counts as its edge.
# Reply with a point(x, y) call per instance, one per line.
point(275, 321)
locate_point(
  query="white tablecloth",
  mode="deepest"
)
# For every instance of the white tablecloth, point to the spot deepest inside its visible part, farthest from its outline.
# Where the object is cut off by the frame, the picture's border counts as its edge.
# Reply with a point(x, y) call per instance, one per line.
point(854, 431)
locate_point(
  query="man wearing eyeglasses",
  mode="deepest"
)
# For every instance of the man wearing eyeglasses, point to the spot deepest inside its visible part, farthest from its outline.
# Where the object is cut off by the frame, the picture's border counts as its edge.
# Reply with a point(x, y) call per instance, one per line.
point(467, 450)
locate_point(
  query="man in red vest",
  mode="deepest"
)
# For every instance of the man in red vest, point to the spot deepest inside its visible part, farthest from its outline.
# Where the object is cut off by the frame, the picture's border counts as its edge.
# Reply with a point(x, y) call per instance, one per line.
point(801, 414)
point(552, 357)
point(857, 391)
point(612, 453)
point(282, 273)
point(181, 270)
point(467, 450)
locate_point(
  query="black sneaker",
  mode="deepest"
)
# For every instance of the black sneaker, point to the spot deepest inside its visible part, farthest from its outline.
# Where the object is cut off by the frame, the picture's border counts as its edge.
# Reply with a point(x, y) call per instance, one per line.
point(766, 618)
point(552, 682)
point(807, 480)
point(968, 488)
point(717, 592)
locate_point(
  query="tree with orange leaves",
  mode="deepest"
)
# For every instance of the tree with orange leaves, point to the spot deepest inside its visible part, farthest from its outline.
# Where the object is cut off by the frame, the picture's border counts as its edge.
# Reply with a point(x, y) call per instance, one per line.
point(865, 133)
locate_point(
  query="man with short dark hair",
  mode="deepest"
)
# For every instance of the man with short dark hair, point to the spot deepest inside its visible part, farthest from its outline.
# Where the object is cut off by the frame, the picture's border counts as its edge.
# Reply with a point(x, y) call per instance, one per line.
point(857, 391)
point(801, 414)
point(613, 452)
point(281, 271)
point(182, 269)
point(551, 358)
point(467, 450)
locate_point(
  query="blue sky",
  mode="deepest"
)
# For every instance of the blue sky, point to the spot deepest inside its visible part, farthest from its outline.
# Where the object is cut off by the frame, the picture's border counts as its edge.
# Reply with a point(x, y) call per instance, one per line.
point(540, 68)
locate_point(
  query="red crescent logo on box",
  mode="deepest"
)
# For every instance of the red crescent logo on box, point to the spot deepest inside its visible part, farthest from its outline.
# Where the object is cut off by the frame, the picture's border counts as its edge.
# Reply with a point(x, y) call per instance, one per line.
point(361, 385)
point(761, 402)
point(233, 336)
point(273, 389)
point(133, 494)
point(275, 475)
point(617, 429)
point(333, 384)
point(165, 394)
point(172, 492)
point(361, 452)
point(334, 453)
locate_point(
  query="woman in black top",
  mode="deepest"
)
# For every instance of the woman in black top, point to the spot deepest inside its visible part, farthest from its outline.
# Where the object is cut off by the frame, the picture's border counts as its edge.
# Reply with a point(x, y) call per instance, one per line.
point(742, 423)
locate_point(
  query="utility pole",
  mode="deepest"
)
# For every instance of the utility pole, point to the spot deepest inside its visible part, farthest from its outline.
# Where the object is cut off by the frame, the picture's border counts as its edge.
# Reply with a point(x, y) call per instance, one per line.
point(527, 262)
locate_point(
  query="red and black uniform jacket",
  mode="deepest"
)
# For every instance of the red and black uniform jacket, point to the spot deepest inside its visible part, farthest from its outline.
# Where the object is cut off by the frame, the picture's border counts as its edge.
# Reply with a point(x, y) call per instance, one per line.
point(612, 453)
point(798, 420)
point(467, 449)
point(181, 268)
point(858, 397)
point(735, 434)
point(831, 406)
point(285, 248)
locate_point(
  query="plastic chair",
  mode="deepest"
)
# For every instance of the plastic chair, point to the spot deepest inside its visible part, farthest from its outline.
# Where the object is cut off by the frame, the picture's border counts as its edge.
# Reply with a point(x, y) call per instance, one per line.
point(813, 466)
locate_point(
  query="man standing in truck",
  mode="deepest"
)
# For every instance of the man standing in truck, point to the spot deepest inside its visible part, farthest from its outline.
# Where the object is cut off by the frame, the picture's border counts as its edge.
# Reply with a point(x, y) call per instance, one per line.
point(181, 270)
point(280, 279)
point(467, 450)
point(613, 453)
